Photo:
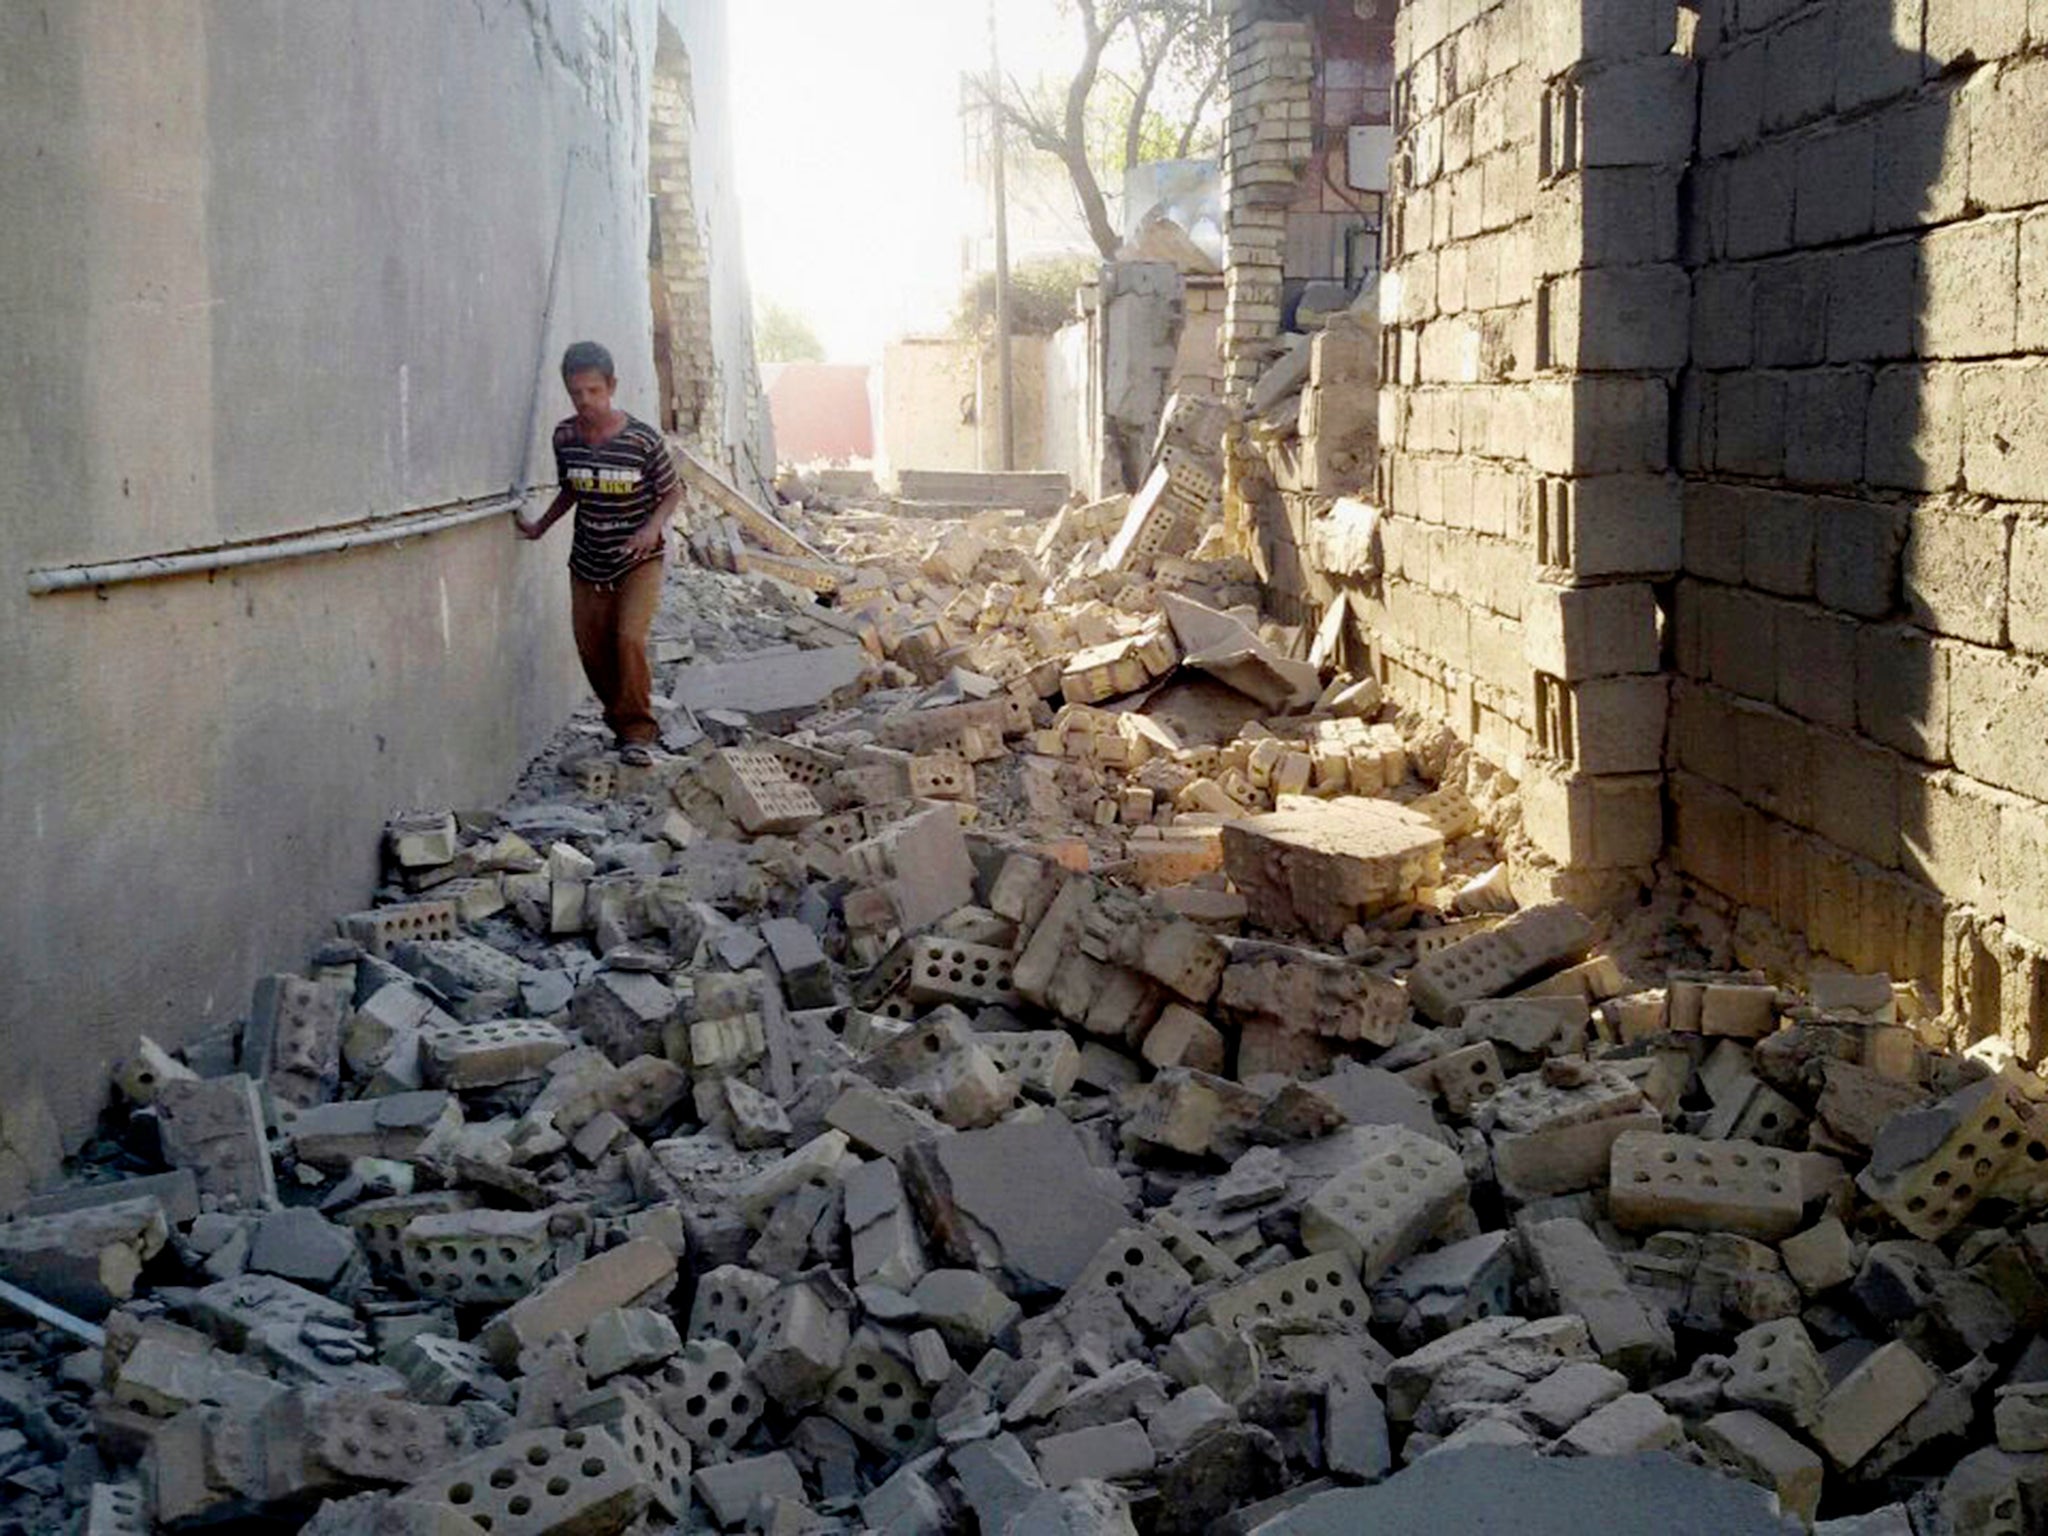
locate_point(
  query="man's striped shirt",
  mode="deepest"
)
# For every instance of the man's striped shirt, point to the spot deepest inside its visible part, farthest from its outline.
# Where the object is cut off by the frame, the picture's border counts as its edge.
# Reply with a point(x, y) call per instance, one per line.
point(617, 486)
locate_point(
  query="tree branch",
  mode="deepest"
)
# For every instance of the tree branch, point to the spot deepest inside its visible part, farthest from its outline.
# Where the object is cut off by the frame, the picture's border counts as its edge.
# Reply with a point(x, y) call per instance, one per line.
point(1141, 98)
point(1194, 117)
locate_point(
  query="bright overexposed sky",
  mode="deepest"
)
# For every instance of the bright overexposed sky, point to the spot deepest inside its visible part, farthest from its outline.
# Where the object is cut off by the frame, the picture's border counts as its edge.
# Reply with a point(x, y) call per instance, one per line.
point(850, 149)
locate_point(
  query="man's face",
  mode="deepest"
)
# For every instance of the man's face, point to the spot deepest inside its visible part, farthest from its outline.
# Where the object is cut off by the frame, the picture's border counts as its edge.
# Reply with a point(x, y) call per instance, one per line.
point(591, 393)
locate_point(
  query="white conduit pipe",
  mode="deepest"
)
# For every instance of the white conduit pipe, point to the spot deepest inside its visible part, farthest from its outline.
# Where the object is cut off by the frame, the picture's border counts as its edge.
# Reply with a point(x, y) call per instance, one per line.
point(44, 580)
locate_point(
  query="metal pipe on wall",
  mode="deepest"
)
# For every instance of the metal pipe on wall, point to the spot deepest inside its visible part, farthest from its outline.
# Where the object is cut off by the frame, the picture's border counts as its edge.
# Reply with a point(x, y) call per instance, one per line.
point(44, 581)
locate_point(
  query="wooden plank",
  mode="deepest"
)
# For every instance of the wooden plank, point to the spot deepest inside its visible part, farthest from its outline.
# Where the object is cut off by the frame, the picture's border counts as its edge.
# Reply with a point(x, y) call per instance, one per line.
point(758, 525)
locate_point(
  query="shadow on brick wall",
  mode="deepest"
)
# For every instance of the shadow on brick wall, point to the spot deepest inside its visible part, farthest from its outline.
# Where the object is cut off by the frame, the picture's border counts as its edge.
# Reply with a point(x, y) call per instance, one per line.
point(1838, 555)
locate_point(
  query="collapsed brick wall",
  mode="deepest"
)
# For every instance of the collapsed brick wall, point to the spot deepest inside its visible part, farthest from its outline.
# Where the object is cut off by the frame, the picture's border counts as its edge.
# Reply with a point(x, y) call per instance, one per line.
point(1712, 342)
point(1301, 376)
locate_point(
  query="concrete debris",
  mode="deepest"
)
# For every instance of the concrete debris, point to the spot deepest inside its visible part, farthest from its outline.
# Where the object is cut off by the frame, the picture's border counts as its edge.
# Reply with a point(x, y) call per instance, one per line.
point(1045, 1056)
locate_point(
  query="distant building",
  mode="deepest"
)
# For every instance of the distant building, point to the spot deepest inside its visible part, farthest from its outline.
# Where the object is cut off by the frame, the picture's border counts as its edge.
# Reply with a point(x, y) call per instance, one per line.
point(822, 411)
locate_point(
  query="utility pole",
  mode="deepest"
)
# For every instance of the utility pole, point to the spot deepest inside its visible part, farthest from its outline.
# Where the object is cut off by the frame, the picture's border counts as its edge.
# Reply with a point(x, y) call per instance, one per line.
point(1004, 376)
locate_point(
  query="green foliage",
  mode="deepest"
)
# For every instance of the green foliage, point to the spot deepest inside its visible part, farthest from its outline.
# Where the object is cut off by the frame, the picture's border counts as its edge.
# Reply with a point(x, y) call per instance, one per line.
point(782, 335)
point(1041, 297)
point(1148, 85)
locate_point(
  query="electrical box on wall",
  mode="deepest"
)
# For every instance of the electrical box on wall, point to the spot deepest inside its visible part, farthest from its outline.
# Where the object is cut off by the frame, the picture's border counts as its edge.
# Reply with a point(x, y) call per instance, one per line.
point(1368, 149)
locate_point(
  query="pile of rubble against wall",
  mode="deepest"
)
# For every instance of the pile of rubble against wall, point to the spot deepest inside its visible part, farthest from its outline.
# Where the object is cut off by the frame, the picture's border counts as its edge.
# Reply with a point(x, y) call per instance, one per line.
point(856, 1123)
point(1305, 448)
point(1314, 412)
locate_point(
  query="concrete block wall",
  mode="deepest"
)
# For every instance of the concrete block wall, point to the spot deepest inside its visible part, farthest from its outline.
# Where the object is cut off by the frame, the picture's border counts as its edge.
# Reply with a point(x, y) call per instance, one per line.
point(1532, 331)
point(1860, 703)
point(1715, 353)
point(1457, 364)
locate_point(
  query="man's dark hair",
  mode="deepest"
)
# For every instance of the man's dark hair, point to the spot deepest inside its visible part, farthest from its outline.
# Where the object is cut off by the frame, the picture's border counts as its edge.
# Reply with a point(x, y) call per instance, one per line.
point(587, 357)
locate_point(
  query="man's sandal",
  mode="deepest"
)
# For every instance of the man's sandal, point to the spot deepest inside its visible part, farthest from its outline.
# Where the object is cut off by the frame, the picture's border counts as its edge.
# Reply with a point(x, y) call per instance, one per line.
point(637, 754)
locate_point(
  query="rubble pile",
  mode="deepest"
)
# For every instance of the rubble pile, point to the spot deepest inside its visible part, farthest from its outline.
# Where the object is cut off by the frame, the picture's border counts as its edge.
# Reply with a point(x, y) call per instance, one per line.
point(1036, 1058)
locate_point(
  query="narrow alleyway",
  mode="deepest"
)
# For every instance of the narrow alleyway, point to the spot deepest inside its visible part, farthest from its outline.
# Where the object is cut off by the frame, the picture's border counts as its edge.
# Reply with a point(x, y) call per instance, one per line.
point(1037, 1054)
point(1433, 918)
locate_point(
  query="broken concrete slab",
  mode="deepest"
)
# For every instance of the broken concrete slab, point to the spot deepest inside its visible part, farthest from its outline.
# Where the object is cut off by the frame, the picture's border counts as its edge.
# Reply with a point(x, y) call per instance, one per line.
point(1320, 869)
point(980, 1195)
point(768, 687)
point(1487, 1491)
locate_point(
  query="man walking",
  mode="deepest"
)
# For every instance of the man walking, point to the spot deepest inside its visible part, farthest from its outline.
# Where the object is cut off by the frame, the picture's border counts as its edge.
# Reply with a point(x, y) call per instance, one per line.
point(618, 474)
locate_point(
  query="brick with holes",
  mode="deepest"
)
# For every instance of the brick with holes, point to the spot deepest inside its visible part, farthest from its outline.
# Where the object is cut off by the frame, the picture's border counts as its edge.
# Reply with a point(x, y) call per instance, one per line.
point(292, 1041)
point(479, 1257)
point(1302, 991)
point(489, 1055)
point(710, 1397)
point(350, 1434)
point(1930, 1165)
point(116, 1509)
point(729, 1305)
point(1401, 1189)
point(725, 1045)
point(1524, 947)
point(379, 1225)
point(1776, 1370)
point(927, 730)
point(758, 793)
point(1045, 1061)
point(940, 777)
point(1464, 1078)
point(380, 928)
point(617, 1277)
point(907, 1055)
point(1657, 1180)
point(946, 970)
point(626, 1413)
point(1099, 672)
point(801, 1344)
point(1194, 1252)
point(543, 1482)
point(877, 1396)
point(1136, 1267)
point(1322, 1288)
